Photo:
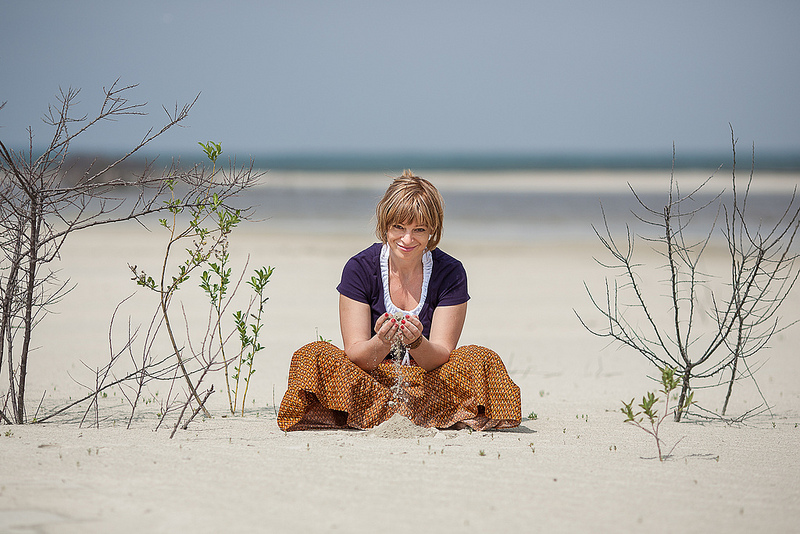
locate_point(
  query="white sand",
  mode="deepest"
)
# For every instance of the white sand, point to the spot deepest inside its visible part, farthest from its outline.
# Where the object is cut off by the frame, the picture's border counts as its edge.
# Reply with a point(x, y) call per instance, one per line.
point(400, 427)
point(576, 468)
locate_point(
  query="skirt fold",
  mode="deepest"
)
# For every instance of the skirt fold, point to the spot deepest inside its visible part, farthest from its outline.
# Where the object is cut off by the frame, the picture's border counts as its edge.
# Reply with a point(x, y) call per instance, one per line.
point(327, 390)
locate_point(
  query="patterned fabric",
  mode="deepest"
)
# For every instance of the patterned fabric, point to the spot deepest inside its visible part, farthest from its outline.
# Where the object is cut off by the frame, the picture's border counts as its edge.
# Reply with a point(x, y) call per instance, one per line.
point(327, 390)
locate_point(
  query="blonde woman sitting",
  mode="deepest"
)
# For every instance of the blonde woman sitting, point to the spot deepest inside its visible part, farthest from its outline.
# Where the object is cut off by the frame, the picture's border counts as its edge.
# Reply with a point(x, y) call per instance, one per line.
point(402, 306)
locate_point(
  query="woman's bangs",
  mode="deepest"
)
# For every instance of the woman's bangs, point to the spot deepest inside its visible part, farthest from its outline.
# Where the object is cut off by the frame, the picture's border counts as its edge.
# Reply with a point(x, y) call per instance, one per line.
point(412, 211)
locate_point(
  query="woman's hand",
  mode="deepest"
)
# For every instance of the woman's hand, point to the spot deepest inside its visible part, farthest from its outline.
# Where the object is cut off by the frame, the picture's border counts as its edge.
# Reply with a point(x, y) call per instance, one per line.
point(386, 328)
point(365, 347)
point(446, 327)
point(410, 328)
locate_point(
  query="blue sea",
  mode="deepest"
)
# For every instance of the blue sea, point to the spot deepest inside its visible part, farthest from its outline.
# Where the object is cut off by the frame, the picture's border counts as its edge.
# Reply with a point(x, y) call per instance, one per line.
point(512, 205)
point(331, 162)
point(511, 197)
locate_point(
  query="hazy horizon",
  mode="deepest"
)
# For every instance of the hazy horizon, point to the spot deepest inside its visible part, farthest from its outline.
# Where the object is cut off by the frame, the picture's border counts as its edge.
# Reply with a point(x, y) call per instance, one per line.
point(446, 78)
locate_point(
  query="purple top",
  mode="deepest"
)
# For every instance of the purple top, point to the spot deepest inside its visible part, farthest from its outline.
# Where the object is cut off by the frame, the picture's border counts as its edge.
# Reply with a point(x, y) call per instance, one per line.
point(362, 282)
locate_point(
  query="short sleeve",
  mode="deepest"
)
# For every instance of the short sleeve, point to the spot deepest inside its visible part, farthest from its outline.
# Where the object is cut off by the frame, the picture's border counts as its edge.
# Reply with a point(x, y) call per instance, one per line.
point(453, 285)
point(361, 277)
point(354, 283)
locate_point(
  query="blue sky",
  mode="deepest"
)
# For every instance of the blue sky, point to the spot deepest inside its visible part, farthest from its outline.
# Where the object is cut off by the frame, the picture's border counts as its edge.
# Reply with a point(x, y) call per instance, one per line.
point(399, 77)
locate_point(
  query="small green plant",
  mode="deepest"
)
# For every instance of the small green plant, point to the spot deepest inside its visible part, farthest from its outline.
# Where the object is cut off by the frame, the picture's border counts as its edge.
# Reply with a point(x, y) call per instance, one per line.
point(532, 416)
point(248, 334)
point(481, 452)
point(207, 242)
point(649, 412)
point(208, 226)
point(215, 283)
point(212, 150)
point(320, 338)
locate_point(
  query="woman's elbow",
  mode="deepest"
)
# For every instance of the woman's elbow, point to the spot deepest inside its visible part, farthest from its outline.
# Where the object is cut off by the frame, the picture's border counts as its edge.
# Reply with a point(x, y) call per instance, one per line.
point(430, 365)
point(363, 362)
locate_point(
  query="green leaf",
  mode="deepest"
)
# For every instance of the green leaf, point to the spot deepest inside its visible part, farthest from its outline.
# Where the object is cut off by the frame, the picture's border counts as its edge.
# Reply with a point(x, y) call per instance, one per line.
point(627, 410)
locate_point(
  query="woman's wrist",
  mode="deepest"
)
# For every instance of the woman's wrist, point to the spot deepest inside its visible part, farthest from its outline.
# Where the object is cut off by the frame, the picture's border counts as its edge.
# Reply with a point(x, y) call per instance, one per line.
point(415, 344)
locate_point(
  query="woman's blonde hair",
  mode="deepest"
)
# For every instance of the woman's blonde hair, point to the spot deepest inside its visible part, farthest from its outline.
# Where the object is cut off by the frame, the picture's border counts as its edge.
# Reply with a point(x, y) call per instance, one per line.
point(411, 198)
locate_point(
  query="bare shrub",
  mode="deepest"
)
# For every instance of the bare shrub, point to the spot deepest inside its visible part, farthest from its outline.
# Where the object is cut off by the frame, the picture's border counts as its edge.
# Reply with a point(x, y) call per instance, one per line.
point(44, 198)
point(744, 313)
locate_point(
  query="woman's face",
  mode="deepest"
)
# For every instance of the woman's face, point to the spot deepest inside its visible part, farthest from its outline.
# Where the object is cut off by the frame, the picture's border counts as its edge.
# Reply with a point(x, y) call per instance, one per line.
point(407, 240)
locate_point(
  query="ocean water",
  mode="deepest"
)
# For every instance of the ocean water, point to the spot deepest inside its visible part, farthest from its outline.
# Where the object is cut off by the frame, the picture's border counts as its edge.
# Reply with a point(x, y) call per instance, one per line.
point(499, 161)
point(523, 206)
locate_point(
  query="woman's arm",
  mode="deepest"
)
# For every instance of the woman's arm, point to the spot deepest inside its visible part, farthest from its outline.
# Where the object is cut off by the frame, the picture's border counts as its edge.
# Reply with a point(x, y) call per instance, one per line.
point(360, 345)
point(368, 351)
point(448, 321)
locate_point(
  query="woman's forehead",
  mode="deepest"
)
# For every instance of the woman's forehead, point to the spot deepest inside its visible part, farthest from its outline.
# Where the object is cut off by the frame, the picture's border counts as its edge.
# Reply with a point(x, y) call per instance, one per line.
point(411, 223)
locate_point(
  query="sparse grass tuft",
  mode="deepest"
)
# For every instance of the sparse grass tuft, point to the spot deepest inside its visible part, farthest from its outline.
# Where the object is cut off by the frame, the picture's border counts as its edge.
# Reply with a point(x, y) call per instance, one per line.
point(648, 411)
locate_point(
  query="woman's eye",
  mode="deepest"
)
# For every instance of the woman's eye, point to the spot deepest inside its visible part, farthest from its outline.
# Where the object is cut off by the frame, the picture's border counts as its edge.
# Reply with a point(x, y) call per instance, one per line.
point(420, 230)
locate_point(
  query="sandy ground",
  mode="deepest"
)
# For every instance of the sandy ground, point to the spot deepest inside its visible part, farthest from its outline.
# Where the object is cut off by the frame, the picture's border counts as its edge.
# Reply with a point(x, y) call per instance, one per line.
point(572, 466)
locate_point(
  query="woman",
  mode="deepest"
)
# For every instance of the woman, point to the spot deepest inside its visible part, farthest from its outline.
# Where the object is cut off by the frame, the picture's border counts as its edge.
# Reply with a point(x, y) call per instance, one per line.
point(402, 305)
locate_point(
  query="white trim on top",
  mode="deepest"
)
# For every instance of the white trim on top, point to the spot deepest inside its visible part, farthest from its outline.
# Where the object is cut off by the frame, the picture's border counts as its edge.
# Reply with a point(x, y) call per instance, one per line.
point(427, 268)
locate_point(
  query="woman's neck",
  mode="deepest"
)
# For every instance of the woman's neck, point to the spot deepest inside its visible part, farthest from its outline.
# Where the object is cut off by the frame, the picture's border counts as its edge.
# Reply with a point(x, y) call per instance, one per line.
point(405, 269)
point(406, 279)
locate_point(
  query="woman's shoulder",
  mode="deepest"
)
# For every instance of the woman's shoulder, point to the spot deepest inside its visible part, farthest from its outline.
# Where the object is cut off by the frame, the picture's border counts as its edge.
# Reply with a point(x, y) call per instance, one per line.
point(361, 273)
point(448, 280)
point(367, 260)
point(369, 254)
point(443, 259)
point(446, 267)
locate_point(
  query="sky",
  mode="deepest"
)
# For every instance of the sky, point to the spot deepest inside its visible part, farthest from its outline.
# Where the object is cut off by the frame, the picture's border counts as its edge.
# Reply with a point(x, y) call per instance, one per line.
point(379, 77)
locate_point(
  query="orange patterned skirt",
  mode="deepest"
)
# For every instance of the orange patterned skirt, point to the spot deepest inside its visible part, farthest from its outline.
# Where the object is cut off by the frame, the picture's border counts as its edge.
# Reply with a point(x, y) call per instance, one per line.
point(327, 390)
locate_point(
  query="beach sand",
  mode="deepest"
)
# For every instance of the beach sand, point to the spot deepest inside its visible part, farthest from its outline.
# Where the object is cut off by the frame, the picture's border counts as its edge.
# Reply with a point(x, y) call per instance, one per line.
point(571, 466)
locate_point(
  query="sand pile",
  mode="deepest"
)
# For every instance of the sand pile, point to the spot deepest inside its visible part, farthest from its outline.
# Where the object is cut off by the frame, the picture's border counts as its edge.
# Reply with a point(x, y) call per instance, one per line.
point(398, 427)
